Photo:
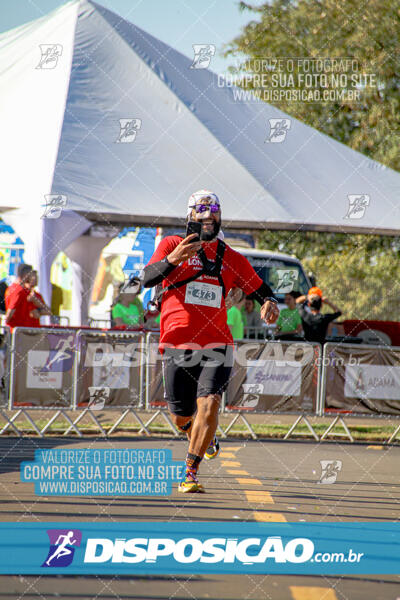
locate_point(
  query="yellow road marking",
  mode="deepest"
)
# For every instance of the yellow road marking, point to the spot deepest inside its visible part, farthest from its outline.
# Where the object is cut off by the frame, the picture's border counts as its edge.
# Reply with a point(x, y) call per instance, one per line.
point(230, 463)
point(270, 517)
point(257, 497)
point(227, 455)
point(248, 481)
point(374, 447)
point(237, 472)
point(234, 448)
point(312, 593)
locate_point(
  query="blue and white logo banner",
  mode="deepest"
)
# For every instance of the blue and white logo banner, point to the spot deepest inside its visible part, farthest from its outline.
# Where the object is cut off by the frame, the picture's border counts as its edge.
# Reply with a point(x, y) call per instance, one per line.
point(165, 548)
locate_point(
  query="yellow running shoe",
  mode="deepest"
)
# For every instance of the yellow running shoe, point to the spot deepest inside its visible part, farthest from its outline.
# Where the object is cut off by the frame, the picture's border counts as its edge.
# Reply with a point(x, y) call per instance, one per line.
point(212, 450)
point(190, 484)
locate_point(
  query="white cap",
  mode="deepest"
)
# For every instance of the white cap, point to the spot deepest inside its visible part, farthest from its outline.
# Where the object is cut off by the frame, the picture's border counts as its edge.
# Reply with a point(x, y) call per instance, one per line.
point(201, 195)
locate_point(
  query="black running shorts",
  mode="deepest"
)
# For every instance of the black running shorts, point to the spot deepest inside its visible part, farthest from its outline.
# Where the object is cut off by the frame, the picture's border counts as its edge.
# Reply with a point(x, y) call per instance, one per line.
point(191, 374)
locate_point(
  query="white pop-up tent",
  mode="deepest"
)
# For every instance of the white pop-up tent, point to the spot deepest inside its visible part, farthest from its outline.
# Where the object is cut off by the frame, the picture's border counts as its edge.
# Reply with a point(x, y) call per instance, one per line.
point(118, 126)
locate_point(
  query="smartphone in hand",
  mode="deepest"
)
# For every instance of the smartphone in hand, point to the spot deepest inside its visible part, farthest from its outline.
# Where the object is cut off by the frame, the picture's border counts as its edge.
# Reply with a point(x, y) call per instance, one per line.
point(194, 227)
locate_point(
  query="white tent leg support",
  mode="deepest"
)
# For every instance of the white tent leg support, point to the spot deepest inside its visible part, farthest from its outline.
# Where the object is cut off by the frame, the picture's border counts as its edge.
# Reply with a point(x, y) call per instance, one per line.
point(309, 426)
point(32, 422)
point(390, 440)
point(149, 422)
point(245, 421)
point(221, 433)
point(66, 417)
point(337, 420)
point(10, 423)
point(97, 422)
point(118, 421)
point(123, 416)
point(166, 418)
point(74, 423)
point(170, 423)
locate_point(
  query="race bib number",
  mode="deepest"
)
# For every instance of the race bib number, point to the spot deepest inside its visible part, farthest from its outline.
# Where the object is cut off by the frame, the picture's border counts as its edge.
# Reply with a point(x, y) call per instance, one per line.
point(205, 294)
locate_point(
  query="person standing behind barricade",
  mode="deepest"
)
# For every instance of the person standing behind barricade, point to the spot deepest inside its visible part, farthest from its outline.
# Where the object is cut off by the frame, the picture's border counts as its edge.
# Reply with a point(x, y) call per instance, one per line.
point(314, 323)
point(16, 299)
point(37, 307)
point(253, 321)
point(196, 273)
point(127, 310)
point(234, 302)
point(289, 321)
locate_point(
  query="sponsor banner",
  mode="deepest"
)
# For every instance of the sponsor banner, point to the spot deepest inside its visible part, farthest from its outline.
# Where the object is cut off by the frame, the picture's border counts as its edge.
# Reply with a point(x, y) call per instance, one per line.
point(276, 379)
point(372, 381)
point(174, 547)
point(362, 379)
point(109, 370)
point(274, 376)
point(102, 472)
point(42, 367)
point(37, 376)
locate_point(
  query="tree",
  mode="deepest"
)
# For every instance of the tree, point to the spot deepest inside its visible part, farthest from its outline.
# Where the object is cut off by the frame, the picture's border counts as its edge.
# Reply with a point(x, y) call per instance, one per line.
point(366, 32)
point(360, 273)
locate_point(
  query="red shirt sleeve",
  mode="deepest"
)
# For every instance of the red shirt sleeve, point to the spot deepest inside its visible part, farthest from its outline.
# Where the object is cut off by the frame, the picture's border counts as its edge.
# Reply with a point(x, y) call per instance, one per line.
point(245, 276)
point(15, 297)
point(164, 248)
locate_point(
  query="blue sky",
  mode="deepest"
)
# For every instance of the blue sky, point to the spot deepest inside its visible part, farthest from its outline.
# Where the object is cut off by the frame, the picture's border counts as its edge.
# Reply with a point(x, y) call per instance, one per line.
point(179, 23)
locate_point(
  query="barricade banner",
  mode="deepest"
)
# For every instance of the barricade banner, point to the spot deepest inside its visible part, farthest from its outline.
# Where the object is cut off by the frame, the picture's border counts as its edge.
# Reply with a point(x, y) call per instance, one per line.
point(109, 370)
point(154, 388)
point(275, 377)
point(361, 378)
point(41, 367)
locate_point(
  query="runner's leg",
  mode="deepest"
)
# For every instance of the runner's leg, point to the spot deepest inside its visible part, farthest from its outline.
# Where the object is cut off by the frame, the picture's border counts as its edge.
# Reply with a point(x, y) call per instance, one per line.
point(205, 424)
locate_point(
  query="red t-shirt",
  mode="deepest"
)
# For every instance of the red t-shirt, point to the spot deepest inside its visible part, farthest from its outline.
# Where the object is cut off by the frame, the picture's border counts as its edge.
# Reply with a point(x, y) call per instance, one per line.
point(16, 299)
point(31, 306)
point(195, 314)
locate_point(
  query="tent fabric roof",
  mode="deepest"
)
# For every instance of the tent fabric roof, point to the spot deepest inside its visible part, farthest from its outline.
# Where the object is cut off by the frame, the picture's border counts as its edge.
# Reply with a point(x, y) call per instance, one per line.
point(191, 134)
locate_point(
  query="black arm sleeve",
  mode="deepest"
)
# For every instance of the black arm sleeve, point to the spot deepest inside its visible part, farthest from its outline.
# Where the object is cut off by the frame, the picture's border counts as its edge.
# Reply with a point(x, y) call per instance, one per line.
point(263, 292)
point(332, 316)
point(156, 272)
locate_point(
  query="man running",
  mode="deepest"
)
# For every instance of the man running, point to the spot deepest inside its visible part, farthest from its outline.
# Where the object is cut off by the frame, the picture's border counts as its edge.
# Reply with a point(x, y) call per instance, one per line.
point(195, 340)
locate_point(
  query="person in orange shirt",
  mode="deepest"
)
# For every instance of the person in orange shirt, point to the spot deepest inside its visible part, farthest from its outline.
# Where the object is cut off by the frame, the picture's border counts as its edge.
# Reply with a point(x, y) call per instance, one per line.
point(36, 304)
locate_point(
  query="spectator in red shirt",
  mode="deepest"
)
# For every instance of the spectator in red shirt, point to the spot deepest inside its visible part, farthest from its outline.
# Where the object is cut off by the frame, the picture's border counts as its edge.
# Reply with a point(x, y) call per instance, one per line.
point(36, 304)
point(16, 299)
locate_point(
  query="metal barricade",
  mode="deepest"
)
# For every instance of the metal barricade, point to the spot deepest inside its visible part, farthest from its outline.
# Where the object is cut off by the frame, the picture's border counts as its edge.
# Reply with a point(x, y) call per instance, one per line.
point(153, 384)
point(40, 374)
point(99, 323)
point(109, 368)
point(360, 380)
point(278, 377)
point(5, 344)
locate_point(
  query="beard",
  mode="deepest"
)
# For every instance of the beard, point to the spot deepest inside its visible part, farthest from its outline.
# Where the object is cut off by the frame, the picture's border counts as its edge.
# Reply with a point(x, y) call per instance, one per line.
point(207, 236)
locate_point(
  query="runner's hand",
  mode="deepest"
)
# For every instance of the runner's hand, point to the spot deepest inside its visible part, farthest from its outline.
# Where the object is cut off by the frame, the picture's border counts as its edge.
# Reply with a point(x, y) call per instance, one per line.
point(184, 250)
point(269, 312)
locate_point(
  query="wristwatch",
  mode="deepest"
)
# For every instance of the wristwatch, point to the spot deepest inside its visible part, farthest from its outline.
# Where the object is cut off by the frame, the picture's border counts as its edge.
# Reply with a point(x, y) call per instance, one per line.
point(165, 260)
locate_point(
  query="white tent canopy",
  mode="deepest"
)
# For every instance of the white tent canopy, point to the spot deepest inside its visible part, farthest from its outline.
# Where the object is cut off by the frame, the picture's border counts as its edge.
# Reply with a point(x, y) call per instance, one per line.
point(61, 120)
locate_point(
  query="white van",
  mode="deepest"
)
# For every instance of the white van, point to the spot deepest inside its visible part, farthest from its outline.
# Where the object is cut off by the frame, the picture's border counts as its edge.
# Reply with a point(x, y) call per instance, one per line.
point(282, 272)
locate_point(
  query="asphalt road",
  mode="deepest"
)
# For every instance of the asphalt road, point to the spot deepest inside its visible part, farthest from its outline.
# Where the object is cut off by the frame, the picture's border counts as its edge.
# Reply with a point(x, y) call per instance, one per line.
point(249, 481)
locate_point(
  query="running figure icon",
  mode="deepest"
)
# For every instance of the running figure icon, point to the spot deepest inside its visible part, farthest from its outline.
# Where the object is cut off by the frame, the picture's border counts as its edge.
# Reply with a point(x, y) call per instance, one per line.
point(62, 549)
point(64, 349)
